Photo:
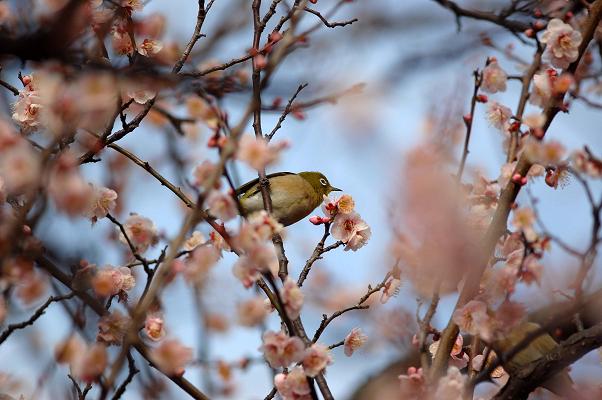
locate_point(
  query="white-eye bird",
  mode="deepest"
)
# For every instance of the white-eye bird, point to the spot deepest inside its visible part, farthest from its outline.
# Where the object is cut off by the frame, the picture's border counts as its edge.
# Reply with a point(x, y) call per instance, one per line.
point(294, 196)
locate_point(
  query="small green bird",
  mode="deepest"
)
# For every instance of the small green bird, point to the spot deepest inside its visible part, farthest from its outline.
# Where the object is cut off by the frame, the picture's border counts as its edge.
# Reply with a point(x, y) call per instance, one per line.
point(294, 196)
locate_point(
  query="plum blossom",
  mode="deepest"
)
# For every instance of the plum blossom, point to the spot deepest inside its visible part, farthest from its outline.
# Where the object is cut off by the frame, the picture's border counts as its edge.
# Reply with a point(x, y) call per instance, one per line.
point(281, 350)
point(70, 192)
point(19, 167)
point(252, 312)
point(352, 230)
point(150, 47)
point(523, 219)
point(171, 357)
point(458, 357)
point(154, 326)
point(343, 204)
point(91, 364)
point(101, 202)
point(451, 386)
point(474, 319)
point(562, 43)
point(390, 289)
point(585, 162)
point(112, 328)
point(195, 240)
point(221, 205)
point(293, 386)
point(260, 258)
point(292, 297)
point(199, 263)
point(498, 115)
point(260, 227)
point(550, 152)
point(542, 90)
point(494, 77)
point(258, 153)
point(353, 341)
point(413, 384)
point(109, 281)
point(315, 359)
point(203, 173)
point(141, 231)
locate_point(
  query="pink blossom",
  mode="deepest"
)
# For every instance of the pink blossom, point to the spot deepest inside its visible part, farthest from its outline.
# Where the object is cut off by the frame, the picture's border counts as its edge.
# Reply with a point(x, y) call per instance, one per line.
point(204, 173)
point(541, 91)
point(315, 359)
point(258, 153)
point(194, 241)
point(90, 363)
point(351, 229)
point(150, 47)
point(343, 204)
point(221, 205)
point(562, 43)
point(101, 202)
point(317, 220)
point(474, 319)
point(111, 280)
point(523, 219)
point(112, 328)
point(292, 297)
point(199, 263)
point(259, 228)
point(70, 192)
point(413, 384)
point(293, 386)
point(252, 312)
point(549, 152)
point(498, 115)
point(141, 231)
point(154, 326)
point(458, 357)
point(390, 289)
point(494, 78)
point(531, 270)
point(584, 162)
point(171, 357)
point(19, 167)
point(451, 386)
point(67, 350)
point(132, 5)
point(354, 340)
point(26, 110)
point(281, 350)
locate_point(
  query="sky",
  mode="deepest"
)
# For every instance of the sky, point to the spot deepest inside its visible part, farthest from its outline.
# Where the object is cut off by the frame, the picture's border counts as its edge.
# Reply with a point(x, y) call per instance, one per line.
point(359, 144)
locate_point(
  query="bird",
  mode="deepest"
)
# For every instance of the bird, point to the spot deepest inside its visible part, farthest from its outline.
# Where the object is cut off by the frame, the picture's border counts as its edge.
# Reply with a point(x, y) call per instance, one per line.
point(561, 383)
point(294, 195)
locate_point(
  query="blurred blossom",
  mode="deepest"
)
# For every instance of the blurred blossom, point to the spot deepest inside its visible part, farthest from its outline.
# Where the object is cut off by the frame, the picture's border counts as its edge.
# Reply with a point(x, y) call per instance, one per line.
point(473, 318)
point(171, 357)
point(258, 153)
point(584, 162)
point(221, 205)
point(199, 109)
point(154, 326)
point(413, 384)
point(292, 297)
point(523, 219)
point(195, 240)
point(67, 187)
point(249, 266)
point(562, 43)
point(498, 115)
point(458, 357)
point(293, 386)
point(451, 386)
point(390, 289)
point(436, 242)
point(101, 202)
point(112, 328)
point(88, 364)
point(351, 229)
point(547, 153)
point(204, 173)
point(494, 78)
point(199, 263)
point(259, 228)
point(315, 359)
point(541, 91)
point(109, 281)
point(19, 167)
point(353, 341)
point(281, 350)
point(152, 25)
point(252, 312)
point(141, 231)
point(31, 288)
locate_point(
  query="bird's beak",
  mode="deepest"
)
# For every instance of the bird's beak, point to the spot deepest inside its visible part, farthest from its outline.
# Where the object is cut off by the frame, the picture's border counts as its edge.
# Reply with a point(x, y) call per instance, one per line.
point(334, 189)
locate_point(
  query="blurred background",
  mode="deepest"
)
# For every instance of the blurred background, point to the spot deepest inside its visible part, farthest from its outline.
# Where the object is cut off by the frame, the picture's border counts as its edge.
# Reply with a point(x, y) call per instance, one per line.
point(417, 70)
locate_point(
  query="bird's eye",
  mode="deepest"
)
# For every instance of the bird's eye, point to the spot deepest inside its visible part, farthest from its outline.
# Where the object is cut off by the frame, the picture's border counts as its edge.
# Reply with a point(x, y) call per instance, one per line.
point(323, 182)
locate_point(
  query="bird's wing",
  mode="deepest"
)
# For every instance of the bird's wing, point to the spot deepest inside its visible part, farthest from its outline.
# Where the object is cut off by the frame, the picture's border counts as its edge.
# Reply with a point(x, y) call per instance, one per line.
point(246, 188)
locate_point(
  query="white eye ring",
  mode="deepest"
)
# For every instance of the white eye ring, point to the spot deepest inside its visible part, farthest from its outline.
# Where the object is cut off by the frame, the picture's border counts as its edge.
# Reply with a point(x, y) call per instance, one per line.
point(323, 181)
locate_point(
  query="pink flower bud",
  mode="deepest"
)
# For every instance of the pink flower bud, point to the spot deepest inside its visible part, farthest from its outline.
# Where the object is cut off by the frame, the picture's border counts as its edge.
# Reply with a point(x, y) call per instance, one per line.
point(467, 118)
point(516, 178)
point(481, 98)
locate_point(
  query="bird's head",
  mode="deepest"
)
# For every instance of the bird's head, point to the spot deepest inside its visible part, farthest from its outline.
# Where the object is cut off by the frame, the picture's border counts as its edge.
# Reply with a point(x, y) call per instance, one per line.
point(319, 182)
